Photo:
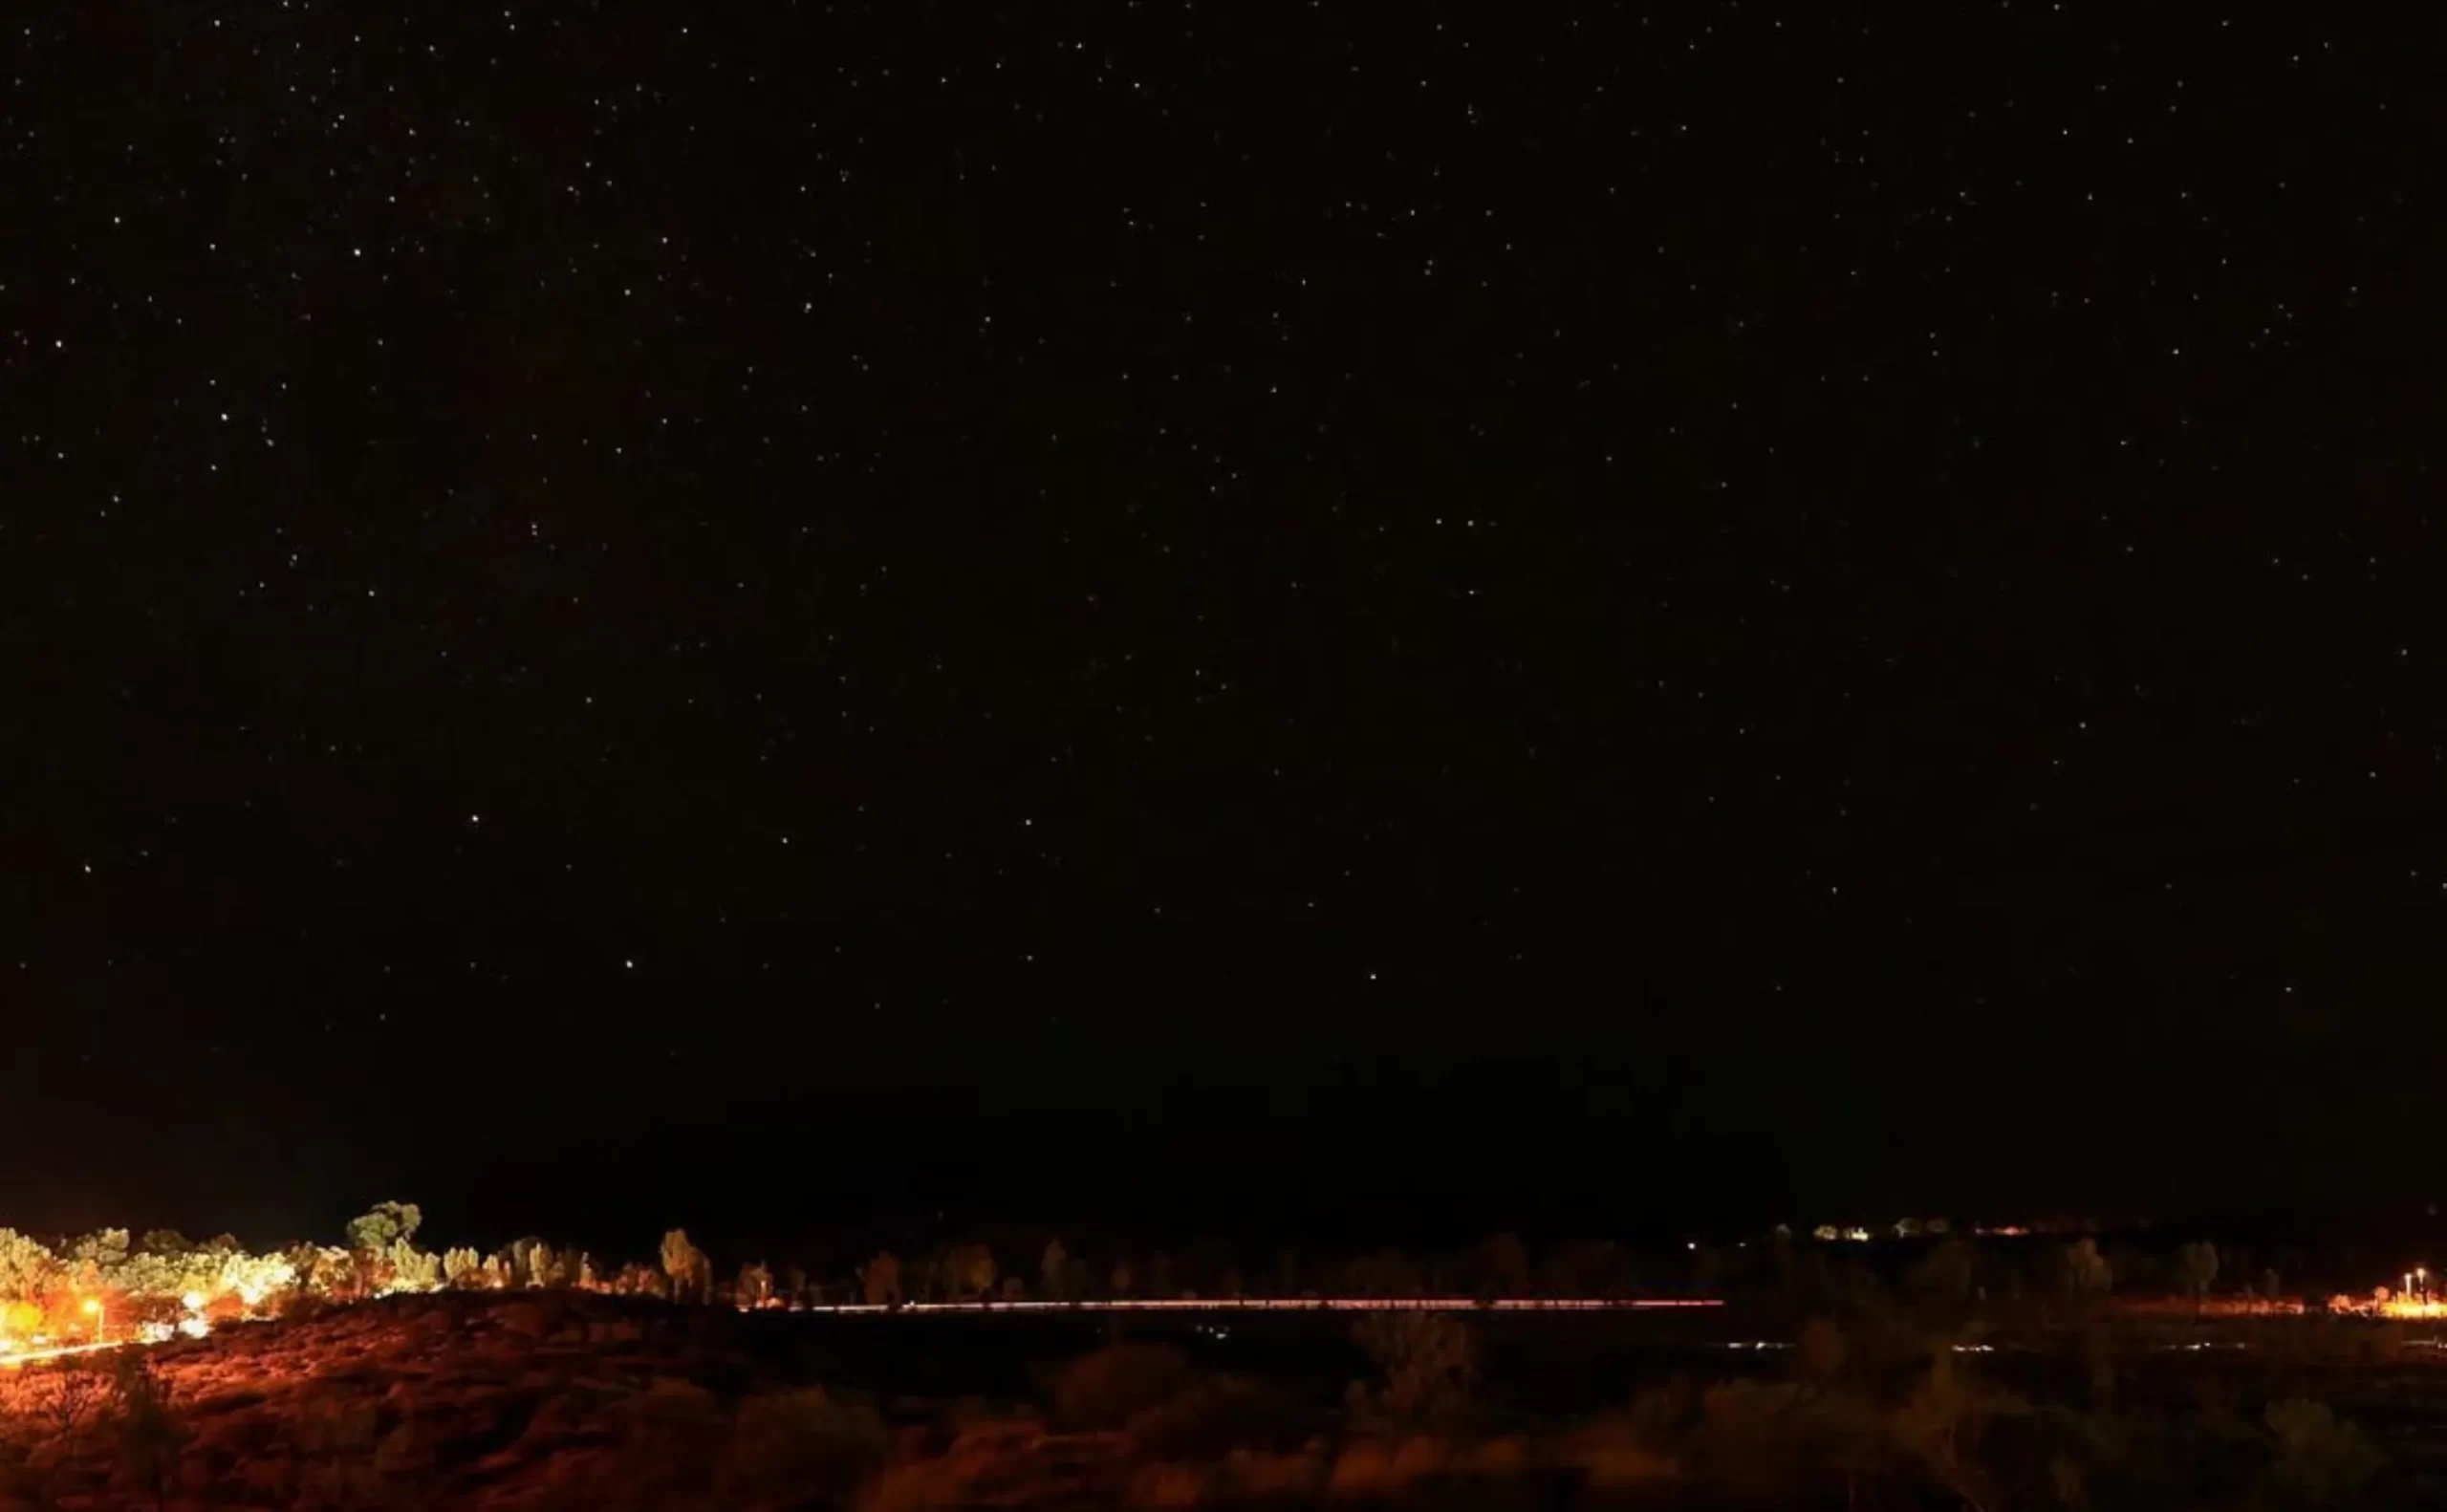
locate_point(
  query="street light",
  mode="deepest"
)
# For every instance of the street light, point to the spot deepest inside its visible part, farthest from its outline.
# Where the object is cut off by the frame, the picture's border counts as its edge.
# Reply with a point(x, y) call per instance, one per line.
point(94, 1311)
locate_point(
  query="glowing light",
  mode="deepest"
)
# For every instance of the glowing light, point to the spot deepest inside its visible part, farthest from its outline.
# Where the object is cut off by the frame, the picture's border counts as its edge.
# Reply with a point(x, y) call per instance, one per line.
point(193, 1302)
point(92, 1308)
point(194, 1327)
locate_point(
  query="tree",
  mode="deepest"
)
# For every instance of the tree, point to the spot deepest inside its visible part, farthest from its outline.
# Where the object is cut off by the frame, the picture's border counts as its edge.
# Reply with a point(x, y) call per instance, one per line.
point(1386, 1273)
point(881, 1280)
point(755, 1286)
point(1502, 1266)
point(414, 1269)
point(386, 1224)
point(531, 1262)
point(691, 1273)
point(968, 1272)
point(2197, 1267)
point(2082, 1272)
point(462, 1269)
point(103, 1248)
point(26, 1266)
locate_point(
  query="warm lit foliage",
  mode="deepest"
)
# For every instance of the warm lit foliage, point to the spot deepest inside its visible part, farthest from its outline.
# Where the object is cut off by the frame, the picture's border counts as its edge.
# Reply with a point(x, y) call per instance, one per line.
point(691, 1273)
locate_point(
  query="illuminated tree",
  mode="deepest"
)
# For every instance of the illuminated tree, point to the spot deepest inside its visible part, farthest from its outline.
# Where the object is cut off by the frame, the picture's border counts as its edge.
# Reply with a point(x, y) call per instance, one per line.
point(462, 1269)
point(157, 1278)
point(26, 1266)
point(881, 1279)
point(255, 1279)
point(691, 1273)
point(93, 1258)
point(414, 1269)
point(755, 1288)
point(385, 1225)
point(966, 1271)
point(323, 1271)
point(103, 1248)
point(164, 1242)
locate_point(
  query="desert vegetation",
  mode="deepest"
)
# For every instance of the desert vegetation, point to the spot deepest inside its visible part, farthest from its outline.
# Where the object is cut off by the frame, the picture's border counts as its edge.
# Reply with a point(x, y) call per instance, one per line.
point(1950, 1370)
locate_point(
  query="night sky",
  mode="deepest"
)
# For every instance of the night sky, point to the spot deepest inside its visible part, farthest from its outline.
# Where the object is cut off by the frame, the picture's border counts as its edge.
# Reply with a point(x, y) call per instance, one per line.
point(782, 611)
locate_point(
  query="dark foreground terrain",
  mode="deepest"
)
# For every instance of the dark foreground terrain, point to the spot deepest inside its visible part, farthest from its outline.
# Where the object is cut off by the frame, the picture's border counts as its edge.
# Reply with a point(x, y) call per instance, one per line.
point(558, 1400)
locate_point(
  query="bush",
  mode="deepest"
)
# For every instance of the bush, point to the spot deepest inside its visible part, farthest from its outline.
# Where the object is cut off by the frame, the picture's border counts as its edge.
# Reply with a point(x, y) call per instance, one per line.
point(801, 1446)
point(1108, 1388)
point(1430, 1365)
point(1216, 1416)
point(2322, 1460)
point(150, 1437)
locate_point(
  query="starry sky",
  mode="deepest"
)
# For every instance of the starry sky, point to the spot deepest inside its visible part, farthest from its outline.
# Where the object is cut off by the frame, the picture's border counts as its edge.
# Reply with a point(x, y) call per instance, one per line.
point(1578, 609)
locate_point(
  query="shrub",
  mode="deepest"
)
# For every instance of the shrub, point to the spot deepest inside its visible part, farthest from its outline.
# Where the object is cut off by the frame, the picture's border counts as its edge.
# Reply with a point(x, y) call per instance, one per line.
point(1430, 1361)
point(1107, 1389)
point(1215, 1416)
point(2322, 1458)
point(150, 1437)
point(800, 1446)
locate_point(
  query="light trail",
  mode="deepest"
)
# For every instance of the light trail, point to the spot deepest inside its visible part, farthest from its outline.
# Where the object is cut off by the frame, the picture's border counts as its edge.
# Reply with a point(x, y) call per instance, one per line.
point(13, 1359)
point(58, 1351)
point(1282, 1305)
